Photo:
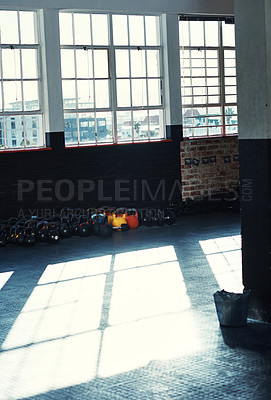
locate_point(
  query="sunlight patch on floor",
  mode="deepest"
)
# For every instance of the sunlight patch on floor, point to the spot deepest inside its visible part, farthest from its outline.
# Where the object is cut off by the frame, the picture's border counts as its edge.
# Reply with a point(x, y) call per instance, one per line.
point(224, 257)
point(4, 277)
point(98, 317)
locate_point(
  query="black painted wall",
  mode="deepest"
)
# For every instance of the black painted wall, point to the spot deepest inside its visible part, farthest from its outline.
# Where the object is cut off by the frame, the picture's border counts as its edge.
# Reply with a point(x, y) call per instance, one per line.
point(137, 175)
point(255, 186)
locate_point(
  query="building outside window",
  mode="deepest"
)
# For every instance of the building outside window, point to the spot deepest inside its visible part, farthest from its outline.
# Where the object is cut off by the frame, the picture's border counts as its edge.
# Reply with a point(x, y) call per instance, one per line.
point(111, 78)
point(20, 79)
point(208, 77)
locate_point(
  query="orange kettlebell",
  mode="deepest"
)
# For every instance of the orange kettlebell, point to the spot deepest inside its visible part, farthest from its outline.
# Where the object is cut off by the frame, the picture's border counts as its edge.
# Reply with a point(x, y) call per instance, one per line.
point(132, 218)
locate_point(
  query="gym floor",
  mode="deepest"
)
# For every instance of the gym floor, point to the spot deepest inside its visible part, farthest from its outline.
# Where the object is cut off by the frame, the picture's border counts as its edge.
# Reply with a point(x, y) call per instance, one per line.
point(130, 317)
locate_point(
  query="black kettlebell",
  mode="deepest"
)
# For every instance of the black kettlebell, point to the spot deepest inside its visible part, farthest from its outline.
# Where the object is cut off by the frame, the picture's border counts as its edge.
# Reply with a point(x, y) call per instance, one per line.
point(29, 237)
point(105, 230)
point(85, 229)
point(42, 231)
point(3, 238)
point(53, 233)
point(19, 236)
point(65, 230)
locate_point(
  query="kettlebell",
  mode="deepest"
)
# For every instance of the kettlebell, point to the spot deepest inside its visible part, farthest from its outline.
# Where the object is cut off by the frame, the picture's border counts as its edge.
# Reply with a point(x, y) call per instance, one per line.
point(132, 218)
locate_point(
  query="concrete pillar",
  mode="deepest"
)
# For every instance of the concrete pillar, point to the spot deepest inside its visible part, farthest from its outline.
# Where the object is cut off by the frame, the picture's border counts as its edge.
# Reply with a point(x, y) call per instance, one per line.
point(253, 46)
point(172, 91)
point(51, 74)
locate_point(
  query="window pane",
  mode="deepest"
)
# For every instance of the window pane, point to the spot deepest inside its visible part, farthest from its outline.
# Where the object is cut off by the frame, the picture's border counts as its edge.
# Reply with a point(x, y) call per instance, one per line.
point(152, 30)
point(156, 124)
point(211, 54)
point(9, 19)
point(197, 63)
point(123, 93)
point(31, 95)
point(197, 53)
point(230, 81)
point(122, 63)
point(141, 128)
point(199, 100)
point(154, 92)
point(67, 64)
point(230, 89)
point(68, 92)
point(231, 99)
point(84, 67)
point(82, 28)
point(139, 95)
point(104, 127)
point(27, 27)
point(212, 82)
point(229, 54)
point(99, 29)
point(229, 62)
point(215, 130)
point(213, 99)
point(198, 82)
point(186, 72)
point(1, 105)
point(202, 131)
point(187, 100)
point(11, 64)
point(196, 33)
point(214, 111)
point(86, 128)
point(65, 28)
point(214, 120)
point(136, 28)
point(85, 94)
point(101, 64)
point(12, 96)
point(198, 72)
point(199, 91)
point(153, 63)
point(120, 33)
point(228, 34)
point(184, 33)
point(185, 63)
point(138, 63)
point(232, 129)
point(14, 131)
point(212, 71)
point(213, 90)
point(102, 94)
point(70, 129)
point(211, 33)
point(230, 71)
point(231, 115)
point(29, 61)
point(187, 91)
point(186, 81)
point(124, 125)
point(33, 127)
point(210, 63)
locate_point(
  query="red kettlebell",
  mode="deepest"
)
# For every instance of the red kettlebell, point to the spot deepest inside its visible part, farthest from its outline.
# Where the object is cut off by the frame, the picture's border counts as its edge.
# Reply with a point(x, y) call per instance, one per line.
point(132, 218)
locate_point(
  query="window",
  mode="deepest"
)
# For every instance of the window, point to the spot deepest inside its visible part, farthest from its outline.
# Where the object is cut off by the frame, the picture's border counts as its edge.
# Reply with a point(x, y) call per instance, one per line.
point(20, 78)
point(111, 78)
point(208, 77)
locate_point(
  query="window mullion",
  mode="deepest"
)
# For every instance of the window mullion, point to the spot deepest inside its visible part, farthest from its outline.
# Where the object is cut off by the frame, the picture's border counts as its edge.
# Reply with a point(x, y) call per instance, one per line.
point(112, 80)
point(147, 81)
point(21, 80)
point(130, 78)
point(2, 95)
point(222, 77)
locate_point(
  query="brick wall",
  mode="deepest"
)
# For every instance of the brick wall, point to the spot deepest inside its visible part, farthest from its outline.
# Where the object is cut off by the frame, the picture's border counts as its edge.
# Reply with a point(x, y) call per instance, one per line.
point(209, 166)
